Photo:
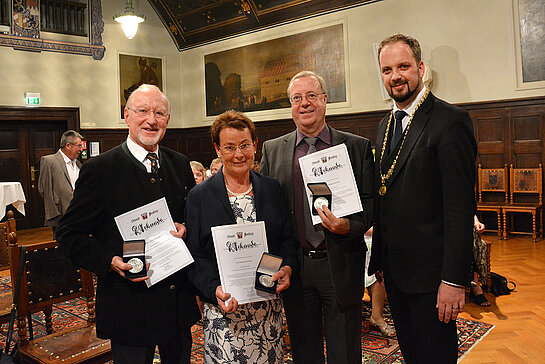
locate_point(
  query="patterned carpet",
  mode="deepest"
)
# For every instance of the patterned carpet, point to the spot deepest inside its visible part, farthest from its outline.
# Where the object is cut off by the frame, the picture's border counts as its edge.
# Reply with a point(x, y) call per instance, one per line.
point(376, 348)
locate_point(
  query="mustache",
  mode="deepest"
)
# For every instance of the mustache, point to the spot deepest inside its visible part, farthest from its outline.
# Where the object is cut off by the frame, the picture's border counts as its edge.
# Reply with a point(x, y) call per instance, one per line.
point(393, 84)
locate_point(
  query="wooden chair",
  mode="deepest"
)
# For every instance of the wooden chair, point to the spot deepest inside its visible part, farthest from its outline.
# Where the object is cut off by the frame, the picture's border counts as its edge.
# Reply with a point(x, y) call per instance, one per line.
point(50, 278)
point(524, 181)
point(492, 182)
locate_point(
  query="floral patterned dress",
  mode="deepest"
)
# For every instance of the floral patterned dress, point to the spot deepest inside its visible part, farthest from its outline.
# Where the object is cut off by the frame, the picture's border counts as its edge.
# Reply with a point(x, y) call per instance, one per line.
point(253, 333)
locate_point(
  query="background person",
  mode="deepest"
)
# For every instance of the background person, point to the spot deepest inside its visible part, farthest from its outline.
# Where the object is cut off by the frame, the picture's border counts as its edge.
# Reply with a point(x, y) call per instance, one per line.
point(249, 333)
point(134, 317)
point(422, 236)
point(215, 165)
point(330, 287)
point(199, 172)
point(476, 293)
point(58, 175)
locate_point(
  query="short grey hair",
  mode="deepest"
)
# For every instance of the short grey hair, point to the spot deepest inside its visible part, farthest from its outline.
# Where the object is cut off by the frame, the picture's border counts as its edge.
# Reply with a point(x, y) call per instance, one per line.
point(145, 87)
point(69, 137)
point(308, 74)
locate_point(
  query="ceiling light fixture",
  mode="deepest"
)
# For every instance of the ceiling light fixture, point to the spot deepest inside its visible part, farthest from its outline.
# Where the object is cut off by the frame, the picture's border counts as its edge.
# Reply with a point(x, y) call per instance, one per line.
point(129, 20)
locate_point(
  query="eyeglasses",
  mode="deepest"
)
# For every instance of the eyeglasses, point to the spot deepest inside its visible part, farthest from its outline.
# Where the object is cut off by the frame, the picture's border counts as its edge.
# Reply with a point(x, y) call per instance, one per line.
point(142, 113)
point(232, 149)
point(79, 146)
point(311, 97)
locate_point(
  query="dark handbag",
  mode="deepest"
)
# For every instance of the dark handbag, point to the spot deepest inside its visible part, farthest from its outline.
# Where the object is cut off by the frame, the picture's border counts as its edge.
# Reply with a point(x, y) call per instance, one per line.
point(500, 285)
point(7, 357)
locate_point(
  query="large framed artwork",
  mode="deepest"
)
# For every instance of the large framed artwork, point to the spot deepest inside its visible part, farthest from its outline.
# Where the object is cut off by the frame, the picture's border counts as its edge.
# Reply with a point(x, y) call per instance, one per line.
point(529, 24)
point(255, 77)
point(135, 70)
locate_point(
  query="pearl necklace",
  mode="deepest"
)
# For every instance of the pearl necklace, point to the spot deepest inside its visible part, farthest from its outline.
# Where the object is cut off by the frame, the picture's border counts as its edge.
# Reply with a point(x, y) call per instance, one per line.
point(239, 194)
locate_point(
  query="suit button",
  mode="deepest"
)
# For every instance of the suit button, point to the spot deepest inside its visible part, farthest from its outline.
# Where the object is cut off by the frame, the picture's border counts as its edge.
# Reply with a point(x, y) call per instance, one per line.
point(153, 180)
point(172, 287)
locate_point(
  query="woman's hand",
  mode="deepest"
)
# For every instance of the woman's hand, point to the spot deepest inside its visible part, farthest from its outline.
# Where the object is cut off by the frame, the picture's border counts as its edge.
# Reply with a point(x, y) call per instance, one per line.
point(221, 297)
point(283, 278)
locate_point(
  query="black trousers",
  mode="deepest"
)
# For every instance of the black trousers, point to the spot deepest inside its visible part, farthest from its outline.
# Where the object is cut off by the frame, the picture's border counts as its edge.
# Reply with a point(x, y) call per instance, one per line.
point(176, 352)
point(423, 339)
point(310, 304)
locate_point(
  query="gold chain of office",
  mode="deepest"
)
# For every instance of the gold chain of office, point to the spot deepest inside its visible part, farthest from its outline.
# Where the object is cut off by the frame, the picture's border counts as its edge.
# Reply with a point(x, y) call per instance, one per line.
point(384, 177)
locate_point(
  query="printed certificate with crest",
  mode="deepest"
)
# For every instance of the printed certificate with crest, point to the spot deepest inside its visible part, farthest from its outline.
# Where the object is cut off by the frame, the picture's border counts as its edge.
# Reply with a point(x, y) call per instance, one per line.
point(238, 250)
point(332, 166)
point(166, 253)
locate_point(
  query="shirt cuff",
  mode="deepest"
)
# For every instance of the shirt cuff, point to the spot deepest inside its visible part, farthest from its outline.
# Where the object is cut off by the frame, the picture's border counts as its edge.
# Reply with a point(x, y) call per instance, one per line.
point(452, 284)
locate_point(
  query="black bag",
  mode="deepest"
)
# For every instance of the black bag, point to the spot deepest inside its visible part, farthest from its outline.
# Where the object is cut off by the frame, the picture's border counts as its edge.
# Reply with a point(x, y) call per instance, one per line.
point(500, 285)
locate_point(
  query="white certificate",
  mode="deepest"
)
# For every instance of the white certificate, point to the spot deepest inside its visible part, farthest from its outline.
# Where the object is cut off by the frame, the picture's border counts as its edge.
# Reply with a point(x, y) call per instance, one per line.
point(238, 250)
point(166, 253)
point(332, 165)
point(145, 220)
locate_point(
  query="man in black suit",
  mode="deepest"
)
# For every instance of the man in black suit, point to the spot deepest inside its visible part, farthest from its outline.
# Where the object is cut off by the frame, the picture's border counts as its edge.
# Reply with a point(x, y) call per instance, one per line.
point(135, 318)
point(422, 240)
point(330, 286)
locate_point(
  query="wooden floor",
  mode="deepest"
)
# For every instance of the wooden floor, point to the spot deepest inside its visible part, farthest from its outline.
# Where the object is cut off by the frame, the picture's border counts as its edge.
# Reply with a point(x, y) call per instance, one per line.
point(519, 335)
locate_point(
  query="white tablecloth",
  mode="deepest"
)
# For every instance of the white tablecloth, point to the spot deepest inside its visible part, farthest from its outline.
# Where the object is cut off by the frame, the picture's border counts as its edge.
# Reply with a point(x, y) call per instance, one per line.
point(11, 193)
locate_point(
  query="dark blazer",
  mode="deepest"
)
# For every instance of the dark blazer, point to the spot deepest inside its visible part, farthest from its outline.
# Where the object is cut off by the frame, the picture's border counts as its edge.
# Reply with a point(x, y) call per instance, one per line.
point(423, 225)
point(55, 187)
point(208, 205)
point(109, 185)
point(346, 252)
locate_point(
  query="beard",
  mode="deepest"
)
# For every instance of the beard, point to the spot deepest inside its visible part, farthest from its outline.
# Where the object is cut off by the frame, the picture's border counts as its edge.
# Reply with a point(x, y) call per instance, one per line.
point(403, 96)
point(149, 141)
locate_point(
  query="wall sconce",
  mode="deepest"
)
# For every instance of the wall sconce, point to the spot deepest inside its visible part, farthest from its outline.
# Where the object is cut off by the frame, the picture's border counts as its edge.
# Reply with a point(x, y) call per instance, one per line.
point(129, 20)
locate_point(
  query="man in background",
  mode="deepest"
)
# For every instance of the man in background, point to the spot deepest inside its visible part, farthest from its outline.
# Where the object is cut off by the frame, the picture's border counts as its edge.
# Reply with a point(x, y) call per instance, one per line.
point(136, 318)
point(330, 287)
point(422, 239)
point(58, 175)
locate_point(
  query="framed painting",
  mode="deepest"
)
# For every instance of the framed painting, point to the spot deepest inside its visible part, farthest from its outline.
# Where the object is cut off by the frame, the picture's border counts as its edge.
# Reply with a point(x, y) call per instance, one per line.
point(135, 70)
point(255, 77)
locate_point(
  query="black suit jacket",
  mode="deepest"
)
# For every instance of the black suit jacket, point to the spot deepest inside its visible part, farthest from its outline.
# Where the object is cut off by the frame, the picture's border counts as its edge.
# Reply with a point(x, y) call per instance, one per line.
point(208, 205)
point(109, 185)
point(423, 225)
point(346, 252)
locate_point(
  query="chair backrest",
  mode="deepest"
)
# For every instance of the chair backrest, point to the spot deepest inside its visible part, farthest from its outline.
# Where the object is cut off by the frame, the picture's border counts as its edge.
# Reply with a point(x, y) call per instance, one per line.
point(6, 228)
point(526, 180)
point(48, 278)
point(493, 180)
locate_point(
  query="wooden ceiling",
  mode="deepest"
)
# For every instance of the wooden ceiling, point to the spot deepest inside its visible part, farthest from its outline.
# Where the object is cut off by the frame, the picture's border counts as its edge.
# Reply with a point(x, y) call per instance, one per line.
point(194, 22)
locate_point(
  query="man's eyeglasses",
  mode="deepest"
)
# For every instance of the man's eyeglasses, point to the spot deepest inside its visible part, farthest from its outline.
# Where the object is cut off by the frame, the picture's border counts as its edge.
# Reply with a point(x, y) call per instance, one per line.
point(231, 149)
point(79, 146)
point(311, 97)
point(142, 113)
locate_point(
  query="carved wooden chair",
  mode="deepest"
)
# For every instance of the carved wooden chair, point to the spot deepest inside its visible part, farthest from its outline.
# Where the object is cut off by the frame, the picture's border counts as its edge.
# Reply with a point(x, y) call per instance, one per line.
point(525, 182)
point(492, 183)
point(50, 278)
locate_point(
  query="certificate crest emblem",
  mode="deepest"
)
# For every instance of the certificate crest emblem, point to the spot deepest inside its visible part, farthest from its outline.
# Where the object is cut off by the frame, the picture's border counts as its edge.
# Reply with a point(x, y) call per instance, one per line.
point(324, 159)
point(239, 235)
point(144, 215)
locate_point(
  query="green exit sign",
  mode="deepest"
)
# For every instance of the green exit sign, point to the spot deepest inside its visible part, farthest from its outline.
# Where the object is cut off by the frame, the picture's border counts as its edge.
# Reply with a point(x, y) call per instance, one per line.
point(32, 99)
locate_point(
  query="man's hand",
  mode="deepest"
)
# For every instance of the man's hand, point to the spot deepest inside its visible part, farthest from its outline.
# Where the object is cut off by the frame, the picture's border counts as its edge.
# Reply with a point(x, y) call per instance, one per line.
point(450, 301)
point(221, 297)
point(332, 223)
point(283, 277)
point(117, 265)
point(180, 230)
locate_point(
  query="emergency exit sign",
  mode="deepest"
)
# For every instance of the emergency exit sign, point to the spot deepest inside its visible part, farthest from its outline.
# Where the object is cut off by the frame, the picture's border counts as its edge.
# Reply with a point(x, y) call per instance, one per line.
point(32, 98)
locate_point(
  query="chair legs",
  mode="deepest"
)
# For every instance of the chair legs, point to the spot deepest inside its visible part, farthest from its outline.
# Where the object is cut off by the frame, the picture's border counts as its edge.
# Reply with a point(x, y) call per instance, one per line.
point(535, 232)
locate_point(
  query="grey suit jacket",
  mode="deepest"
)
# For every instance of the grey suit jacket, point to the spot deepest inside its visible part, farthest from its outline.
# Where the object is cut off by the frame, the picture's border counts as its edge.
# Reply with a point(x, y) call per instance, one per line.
point(346, 252)
point(55, 187)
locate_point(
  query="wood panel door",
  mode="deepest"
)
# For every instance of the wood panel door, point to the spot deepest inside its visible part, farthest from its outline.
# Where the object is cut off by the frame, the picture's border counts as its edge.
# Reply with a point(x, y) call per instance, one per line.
point(22, 144)
point(27, 134)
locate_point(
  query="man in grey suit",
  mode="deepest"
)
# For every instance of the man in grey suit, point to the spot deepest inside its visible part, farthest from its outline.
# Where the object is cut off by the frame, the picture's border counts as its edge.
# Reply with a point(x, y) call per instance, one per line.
point(58, 175)
point(330, 287)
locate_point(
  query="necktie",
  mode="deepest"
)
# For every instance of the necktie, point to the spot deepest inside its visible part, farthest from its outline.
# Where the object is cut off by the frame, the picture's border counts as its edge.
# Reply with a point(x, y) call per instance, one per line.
point(313, 233)
point(398, 131)
point(154, 162)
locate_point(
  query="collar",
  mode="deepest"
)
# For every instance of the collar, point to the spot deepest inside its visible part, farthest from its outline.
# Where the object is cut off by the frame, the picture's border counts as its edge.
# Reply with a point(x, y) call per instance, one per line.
point(410, 109)
point(138, 151)
point(65, 157)
point(324, 136)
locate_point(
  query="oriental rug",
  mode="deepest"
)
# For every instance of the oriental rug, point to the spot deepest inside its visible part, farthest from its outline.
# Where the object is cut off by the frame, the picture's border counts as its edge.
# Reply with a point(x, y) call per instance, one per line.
point(376, 348)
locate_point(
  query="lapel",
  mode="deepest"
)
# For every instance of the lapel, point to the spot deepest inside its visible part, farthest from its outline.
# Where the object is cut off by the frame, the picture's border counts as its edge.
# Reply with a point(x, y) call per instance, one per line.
point(285, 174)
point(336, 137)
point(218, 184)
point(381, 134)
point(259, 195)
point(60, 160)
point(420, 120)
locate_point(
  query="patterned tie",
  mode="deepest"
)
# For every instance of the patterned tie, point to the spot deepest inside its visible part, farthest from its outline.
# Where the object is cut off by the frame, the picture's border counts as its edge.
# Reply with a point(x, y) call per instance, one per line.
point(313, 233)
point(154, 160)
point(398, 131)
